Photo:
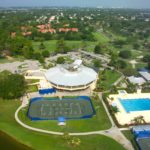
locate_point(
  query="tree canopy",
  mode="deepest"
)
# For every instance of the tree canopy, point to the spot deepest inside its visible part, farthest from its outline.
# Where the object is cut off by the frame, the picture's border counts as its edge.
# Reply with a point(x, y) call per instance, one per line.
point(61, 46)
point(146, 58)
point(12, 85)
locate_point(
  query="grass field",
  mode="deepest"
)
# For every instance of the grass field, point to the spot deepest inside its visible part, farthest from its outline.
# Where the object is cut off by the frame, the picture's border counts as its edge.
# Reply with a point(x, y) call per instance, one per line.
point(130, 137)
point(100, 37)
point(48, 142)
point(32, 88)
point(7, 142)
point(107, 79)
point(82, 125)
point(51, 45)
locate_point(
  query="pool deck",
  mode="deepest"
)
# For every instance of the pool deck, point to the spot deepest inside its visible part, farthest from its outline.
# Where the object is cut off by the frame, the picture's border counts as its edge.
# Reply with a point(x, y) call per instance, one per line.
point(122, 116)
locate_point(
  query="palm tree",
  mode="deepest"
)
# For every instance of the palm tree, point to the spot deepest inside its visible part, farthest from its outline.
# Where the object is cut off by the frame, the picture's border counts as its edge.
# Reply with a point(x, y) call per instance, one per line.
point(75, 142)
point(114, 109)
point(139, 120)
point(111, 98)
point(66, 136)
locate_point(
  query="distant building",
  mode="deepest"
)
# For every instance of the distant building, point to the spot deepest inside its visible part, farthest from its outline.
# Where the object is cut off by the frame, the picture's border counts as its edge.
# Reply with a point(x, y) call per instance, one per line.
point(145, 75)
point(68, 29)
point(13, 34)
point(26, 33)
point(136, 80)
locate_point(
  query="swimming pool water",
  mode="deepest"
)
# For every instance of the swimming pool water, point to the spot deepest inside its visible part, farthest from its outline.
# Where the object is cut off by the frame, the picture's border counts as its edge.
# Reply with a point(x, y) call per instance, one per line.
point(140, 104)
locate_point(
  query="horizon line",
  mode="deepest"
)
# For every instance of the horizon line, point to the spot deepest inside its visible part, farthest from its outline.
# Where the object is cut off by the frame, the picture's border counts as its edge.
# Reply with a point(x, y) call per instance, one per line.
point(97, 7)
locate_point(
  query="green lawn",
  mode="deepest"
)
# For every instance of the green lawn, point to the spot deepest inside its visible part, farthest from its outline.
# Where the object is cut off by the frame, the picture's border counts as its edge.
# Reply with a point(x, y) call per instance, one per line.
point(98, 122)
point(7, 142)
point(31, 81)
point(51, 45)
point(128, 134)
point(101, 37)
point(32, 88)
point(40, 141)
point(107, 79)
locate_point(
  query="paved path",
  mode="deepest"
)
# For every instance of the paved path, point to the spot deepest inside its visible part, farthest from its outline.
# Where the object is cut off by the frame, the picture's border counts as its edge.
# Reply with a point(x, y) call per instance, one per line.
point(32, 128)
point(97, 56)
point(120, 79)
point(113, 132)
point(107, 112)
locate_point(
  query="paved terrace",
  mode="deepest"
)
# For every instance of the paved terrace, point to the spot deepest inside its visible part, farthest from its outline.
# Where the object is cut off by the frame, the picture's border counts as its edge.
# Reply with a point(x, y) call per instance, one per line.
point(18, 65)
point(62, 93)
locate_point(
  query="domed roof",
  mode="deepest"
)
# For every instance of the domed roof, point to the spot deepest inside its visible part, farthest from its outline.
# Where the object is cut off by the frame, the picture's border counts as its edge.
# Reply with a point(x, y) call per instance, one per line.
point(70, 76)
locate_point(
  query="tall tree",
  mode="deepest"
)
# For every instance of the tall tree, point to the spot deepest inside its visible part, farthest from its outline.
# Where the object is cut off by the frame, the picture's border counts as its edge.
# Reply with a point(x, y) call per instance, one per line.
point(61, 46)
point(12, 85)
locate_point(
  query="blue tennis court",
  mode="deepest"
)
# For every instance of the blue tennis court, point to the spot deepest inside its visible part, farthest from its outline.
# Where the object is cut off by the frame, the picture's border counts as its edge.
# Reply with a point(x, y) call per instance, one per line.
point(51, 108)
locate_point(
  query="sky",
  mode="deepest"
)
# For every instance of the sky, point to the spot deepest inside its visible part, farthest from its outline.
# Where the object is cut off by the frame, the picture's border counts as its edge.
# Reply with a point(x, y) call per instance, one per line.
point(80, 3)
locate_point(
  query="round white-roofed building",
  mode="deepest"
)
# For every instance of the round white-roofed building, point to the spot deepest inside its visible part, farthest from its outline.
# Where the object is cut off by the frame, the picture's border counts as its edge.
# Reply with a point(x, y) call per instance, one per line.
point(71, 77)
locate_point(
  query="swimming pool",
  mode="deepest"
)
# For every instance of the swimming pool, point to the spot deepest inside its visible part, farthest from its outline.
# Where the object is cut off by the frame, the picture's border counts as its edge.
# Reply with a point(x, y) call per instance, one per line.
point(140, 104)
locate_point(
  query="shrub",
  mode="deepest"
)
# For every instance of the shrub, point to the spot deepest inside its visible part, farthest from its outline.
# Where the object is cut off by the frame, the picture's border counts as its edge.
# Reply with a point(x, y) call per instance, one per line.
point(41, 46)
point(146, 58)
point(114, 109)
point(97, 63)
point(121, 64)
point(129, 72)
point(60, 60)
point(148, 65)
point(45, 53)
point(97, 49)
point(38, 57)
point(125, 54)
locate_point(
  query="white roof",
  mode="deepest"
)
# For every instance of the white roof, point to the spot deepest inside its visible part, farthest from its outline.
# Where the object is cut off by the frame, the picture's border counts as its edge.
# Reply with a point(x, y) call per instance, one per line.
point(78, 62)
point(136, 80)
point(141, 128)
point(146, 75)
point(61, 76)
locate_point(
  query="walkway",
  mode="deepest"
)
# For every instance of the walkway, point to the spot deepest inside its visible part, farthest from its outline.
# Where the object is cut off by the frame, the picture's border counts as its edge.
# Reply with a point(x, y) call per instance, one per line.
point(119, 80)
point(113, 132)
point(32, 128)
point(97, 56)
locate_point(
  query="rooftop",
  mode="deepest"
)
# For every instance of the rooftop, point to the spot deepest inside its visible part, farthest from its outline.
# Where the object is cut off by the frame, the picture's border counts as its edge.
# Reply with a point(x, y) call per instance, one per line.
point(62, 75)
point(136, 80)
point(146, 75)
